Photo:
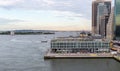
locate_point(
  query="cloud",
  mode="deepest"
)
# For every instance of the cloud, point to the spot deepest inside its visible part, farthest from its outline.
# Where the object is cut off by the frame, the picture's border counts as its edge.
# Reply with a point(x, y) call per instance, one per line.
point(9, 2)
point(47, 26)
point(7, 21)
point(49, 2)
point(76, 6)
point(67, 14)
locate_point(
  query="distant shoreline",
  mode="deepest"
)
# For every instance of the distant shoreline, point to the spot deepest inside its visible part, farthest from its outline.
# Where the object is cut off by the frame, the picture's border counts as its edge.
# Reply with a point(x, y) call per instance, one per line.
point(27, 34)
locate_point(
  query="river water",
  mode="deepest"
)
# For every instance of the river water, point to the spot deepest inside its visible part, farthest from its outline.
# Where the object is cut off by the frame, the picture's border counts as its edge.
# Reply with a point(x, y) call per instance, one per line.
point(25, 53)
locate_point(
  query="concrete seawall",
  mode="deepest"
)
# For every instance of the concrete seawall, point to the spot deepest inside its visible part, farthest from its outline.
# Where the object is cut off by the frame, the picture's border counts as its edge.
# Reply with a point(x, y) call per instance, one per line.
point(80, 56)
point(77, 55)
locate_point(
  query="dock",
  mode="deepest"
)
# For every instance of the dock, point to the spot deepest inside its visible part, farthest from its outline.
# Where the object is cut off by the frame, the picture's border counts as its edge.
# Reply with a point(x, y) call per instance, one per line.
point(77, 55)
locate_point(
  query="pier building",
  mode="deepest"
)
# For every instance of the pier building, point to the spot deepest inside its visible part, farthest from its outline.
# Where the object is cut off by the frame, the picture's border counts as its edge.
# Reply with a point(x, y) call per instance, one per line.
point(79, 45)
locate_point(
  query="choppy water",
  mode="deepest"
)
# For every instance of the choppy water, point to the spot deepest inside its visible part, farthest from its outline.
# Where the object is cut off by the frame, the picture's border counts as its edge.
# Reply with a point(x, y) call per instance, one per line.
point(25, 53)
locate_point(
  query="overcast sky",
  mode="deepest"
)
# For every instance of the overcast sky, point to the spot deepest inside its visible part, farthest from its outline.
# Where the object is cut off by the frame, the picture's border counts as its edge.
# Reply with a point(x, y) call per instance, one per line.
point(45, 14)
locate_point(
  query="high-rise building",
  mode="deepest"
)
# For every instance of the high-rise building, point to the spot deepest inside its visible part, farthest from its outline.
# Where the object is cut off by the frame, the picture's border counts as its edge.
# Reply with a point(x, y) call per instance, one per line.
point(110, 26)
point(101, 10)
point(94, 16)
point(117, 19)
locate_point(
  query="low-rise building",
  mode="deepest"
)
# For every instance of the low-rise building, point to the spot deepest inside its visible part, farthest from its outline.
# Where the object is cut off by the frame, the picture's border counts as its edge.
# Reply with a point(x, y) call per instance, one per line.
point(118, 51)
point(79, 45)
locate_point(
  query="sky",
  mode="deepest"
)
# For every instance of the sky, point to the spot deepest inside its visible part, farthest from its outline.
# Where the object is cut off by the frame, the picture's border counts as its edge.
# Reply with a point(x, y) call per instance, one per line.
point(67, 15)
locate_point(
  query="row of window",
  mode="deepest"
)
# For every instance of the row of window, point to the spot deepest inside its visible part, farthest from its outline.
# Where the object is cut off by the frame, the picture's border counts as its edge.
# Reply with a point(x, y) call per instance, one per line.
point(74, 43)
point(79, 46)
point(76, 47)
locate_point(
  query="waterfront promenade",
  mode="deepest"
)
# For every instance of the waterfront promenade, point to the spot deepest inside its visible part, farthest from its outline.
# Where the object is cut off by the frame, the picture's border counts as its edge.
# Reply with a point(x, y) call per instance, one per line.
point(80, 55)
point(77, 55)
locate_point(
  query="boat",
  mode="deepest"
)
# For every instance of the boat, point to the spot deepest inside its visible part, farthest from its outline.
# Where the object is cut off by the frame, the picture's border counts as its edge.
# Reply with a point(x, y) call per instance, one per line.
point(44, 41)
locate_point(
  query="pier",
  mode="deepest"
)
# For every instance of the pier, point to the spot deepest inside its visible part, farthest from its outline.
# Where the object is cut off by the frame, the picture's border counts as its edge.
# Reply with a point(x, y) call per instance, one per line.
point(77, 55)
point(80, 56)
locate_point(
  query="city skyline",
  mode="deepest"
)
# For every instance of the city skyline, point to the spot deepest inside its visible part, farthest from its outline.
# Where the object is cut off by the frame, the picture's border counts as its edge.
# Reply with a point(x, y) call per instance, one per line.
point(45, 14)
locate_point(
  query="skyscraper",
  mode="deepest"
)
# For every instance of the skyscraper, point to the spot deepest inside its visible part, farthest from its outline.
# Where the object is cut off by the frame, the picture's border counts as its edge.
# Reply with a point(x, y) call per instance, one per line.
point(110, 26)
point(117, 19)
point(94, 16)
point(101, 10)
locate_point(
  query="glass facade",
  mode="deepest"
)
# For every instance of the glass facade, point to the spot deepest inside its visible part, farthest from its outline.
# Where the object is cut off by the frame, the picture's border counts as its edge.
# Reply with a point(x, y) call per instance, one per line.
point(76, 45)
point(117, 18)
point(102, 17)
point(101, 10)
point(81, 44)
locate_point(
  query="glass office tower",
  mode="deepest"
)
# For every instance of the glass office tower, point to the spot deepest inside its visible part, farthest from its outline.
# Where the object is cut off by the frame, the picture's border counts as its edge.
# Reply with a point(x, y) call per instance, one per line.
point(117, 19)
point(101, 10)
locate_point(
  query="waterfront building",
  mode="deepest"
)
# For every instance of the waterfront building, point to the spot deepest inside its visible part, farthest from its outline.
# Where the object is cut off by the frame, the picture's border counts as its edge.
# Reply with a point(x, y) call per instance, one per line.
point(118, 51)
point(79, 45)
point(117, 19)
point(101, 10)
